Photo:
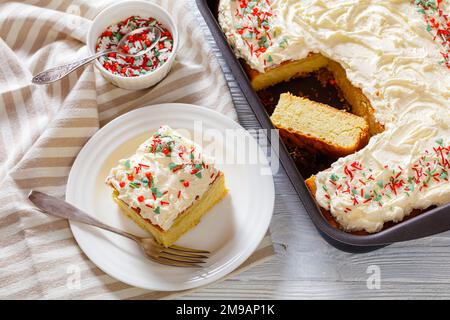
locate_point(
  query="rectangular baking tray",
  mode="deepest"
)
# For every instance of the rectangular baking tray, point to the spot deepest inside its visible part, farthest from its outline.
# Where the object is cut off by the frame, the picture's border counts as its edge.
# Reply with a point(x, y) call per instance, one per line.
point(430, 222)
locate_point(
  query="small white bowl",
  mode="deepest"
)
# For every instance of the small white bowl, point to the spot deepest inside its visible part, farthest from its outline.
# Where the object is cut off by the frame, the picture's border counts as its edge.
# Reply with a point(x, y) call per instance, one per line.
point(121, 11)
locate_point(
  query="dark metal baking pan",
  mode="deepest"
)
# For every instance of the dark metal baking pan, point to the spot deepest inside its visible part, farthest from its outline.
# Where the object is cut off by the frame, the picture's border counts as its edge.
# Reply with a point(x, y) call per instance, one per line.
point(430, 222)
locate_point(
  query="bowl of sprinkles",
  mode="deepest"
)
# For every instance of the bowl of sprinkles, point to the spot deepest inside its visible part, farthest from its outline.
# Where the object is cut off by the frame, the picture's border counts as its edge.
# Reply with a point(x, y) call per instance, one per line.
point(109, 28)
point(128, 66)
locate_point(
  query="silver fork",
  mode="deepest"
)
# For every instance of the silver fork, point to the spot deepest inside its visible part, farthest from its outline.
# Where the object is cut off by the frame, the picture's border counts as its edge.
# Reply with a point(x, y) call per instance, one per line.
point(172, 256)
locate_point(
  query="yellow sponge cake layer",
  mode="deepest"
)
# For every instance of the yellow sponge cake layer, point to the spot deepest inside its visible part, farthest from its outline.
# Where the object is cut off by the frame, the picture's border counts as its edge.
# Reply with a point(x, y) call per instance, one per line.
point(285, 71)
point(318, 126)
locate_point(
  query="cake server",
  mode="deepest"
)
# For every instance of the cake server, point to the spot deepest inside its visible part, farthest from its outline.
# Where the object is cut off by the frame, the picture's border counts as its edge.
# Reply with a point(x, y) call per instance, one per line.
point(57, 73)
point(173, 256)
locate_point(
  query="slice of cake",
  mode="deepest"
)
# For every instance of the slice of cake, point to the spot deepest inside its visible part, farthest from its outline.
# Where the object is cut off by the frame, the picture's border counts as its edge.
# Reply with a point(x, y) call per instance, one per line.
point(167, 185)
point(320, 127)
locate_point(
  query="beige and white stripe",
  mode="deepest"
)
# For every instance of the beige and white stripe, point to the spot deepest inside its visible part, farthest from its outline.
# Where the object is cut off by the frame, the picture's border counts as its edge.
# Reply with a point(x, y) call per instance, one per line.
point(42, 129)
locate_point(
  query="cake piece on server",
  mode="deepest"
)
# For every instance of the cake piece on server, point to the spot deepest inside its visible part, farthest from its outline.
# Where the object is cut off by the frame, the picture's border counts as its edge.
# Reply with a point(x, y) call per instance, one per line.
point(319, 127)
point(167, 185)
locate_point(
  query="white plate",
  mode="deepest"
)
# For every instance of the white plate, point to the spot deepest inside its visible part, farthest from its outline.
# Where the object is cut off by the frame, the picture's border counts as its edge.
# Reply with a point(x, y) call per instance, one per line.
point(231, 231)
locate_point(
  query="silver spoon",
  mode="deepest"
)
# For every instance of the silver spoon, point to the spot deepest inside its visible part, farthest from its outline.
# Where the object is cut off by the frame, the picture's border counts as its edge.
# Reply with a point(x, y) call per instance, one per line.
point(59, 72)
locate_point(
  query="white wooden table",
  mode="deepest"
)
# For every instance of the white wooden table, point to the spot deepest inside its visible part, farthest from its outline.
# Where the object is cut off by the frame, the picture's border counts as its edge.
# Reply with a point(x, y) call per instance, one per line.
point(307, 267)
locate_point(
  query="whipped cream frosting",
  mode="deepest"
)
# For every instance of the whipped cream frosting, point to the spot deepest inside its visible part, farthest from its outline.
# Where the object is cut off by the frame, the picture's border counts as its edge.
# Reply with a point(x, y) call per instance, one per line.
point(164, 177)
point(389, 52)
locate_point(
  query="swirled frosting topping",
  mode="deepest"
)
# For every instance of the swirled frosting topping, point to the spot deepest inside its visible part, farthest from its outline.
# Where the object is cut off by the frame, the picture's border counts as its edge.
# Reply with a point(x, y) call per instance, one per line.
point(391, 49)
point(164, 177)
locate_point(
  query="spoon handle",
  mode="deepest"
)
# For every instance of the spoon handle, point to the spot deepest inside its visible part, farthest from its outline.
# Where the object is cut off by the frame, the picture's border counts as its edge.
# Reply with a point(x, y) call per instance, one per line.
point(59, 72)
point(62, 209)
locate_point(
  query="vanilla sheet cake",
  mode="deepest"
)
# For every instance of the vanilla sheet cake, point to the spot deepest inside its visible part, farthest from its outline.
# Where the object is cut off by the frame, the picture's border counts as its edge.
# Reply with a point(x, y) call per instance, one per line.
point(391, 59)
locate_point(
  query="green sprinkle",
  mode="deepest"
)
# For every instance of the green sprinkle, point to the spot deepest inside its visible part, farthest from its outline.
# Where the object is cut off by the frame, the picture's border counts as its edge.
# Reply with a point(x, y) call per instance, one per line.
point(134, 185)
point(156, 192)
point(283, 43)
point(198, 175)
point(157, 210)
point(173, 165)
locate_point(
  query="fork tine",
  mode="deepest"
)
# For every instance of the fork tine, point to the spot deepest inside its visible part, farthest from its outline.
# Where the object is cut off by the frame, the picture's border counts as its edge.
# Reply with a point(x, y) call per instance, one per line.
point(190, 250)
point(184, 254)
point(179, 259)
point(170, 262)
point(175, 263)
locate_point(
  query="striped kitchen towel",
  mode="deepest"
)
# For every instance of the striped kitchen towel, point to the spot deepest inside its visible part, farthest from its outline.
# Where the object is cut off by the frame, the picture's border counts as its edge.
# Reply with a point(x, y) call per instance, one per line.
point(42, 129)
